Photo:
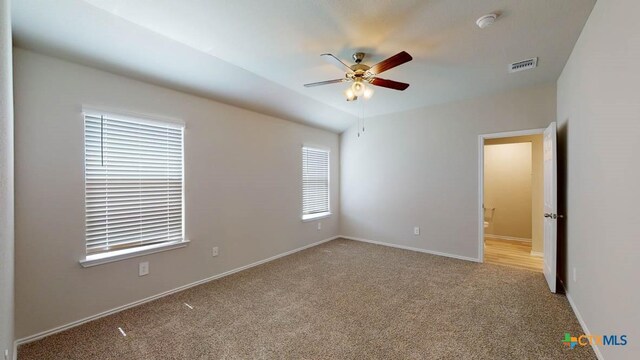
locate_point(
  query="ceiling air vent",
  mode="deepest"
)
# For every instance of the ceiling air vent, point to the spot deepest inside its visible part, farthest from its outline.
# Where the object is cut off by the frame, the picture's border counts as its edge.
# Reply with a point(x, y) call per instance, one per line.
point(523, 65)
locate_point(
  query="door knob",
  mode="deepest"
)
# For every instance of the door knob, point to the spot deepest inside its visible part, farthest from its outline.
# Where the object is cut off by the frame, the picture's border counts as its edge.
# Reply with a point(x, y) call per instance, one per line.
point(550, 215)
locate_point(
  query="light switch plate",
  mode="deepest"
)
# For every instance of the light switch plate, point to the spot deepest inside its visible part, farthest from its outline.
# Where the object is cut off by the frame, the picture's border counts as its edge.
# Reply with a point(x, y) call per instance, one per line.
point(143, 268)
point(416, 230)
point(214, 251)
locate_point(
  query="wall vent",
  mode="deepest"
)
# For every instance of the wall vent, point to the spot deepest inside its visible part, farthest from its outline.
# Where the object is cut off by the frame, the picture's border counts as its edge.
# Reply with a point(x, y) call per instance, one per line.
point(523, 65)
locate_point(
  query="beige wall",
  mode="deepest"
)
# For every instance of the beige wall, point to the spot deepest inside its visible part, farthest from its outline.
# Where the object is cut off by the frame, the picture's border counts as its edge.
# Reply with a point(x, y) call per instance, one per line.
point(242, 178)
point(537, 186)
point(420, 168)
point(599, 127)
point(507, 189)
point(6, 183)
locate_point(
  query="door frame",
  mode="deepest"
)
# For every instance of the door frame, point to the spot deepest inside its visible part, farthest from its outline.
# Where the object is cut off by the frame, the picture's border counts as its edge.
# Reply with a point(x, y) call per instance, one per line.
point(481, 139)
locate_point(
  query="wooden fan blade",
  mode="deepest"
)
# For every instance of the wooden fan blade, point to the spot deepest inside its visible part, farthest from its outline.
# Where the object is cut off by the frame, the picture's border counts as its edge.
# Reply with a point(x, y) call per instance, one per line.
point(396, 60)
point(335, 61)
point(326, 82)
point(395, 85)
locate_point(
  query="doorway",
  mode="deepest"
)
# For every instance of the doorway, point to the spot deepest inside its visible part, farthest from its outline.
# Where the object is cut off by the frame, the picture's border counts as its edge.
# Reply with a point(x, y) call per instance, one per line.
point(511, 198)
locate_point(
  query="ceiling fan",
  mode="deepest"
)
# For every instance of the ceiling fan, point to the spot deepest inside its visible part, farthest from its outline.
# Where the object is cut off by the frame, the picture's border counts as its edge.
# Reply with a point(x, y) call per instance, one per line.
point(360, 74)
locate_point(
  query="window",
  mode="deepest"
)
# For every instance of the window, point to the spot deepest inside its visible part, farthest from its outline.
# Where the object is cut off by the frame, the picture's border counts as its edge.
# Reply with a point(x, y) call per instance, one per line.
point(133, 184)
point(315, 183)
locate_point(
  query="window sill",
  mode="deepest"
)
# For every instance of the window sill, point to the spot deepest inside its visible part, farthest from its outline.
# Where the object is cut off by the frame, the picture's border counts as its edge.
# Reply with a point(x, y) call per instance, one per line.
point(105, 258)
point(313, 217)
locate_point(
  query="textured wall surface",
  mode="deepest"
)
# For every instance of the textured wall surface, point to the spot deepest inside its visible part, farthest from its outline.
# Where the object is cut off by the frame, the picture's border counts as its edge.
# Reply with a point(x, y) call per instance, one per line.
point(599, 127)
point(420, 168)
point(243, 191)
point(537, 186)
point(507, 189)
point(6, 182)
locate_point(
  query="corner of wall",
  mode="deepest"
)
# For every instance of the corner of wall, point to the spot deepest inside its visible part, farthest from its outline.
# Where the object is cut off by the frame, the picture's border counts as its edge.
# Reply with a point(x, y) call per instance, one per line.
point(6, 185)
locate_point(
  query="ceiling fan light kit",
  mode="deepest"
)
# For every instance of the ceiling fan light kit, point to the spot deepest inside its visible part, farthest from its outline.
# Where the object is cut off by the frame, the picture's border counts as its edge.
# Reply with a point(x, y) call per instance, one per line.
point(363, 75)
point(368, 92)
point(358, 88)
point(350, 95)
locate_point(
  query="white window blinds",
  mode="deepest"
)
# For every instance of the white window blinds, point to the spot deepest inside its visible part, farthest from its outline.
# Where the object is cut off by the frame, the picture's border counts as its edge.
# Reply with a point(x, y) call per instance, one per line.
point(315, 182)
point(133, 183)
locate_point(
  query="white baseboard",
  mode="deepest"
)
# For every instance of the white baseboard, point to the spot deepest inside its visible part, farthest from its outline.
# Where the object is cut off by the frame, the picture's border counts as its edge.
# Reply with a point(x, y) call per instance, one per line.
point(460, 257)
point(585, 329)
point(537, 253)
point(70, 325)
point(503, 237)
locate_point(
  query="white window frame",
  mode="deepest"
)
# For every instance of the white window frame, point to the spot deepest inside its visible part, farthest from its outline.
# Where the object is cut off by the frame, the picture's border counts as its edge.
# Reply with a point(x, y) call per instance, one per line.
point(326, 214)
point(117, 255)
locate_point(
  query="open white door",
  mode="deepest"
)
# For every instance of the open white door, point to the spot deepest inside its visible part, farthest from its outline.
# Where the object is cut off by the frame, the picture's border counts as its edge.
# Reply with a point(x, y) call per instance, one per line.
point(550, 205)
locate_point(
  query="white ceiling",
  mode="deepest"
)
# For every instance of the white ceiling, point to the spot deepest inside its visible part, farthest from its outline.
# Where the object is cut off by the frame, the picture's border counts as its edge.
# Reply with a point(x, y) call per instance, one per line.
point(257, 54)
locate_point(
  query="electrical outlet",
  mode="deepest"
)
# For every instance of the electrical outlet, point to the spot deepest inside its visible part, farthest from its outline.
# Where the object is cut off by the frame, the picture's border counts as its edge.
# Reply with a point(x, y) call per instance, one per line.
point(319, 226)
point(143, 268)
point(214, 251)
point(6, 354)
point(574, 274)
point(416, 230)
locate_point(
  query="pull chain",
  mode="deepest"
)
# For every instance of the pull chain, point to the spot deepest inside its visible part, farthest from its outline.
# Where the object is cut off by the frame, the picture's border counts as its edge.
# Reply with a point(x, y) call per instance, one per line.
point(362, 114)
point(361, 118)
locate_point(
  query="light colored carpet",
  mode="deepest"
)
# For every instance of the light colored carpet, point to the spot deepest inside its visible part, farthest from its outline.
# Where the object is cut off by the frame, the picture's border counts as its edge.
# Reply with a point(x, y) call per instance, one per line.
point(340, 300)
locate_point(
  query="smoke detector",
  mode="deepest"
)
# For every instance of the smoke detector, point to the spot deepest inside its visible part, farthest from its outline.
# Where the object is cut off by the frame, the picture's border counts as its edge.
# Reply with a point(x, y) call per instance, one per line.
point(486, 20)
